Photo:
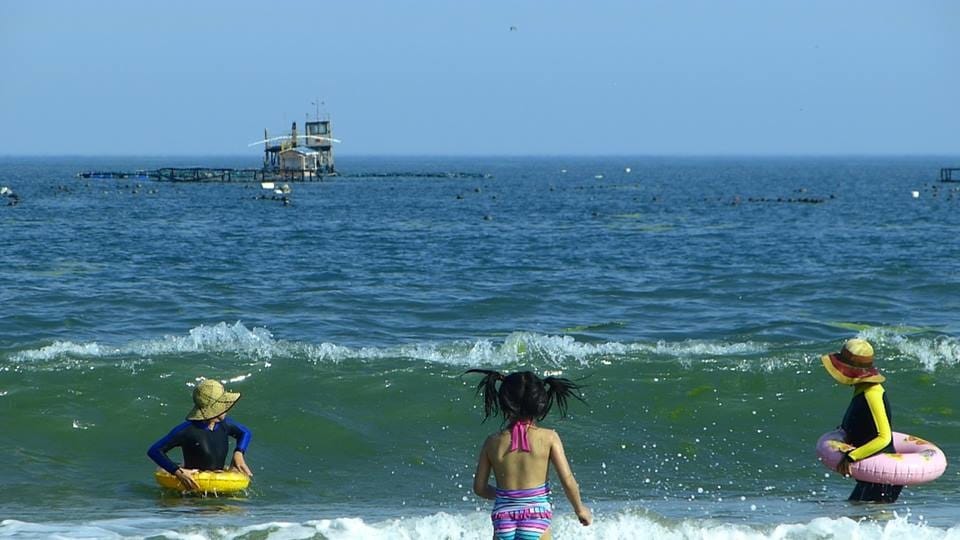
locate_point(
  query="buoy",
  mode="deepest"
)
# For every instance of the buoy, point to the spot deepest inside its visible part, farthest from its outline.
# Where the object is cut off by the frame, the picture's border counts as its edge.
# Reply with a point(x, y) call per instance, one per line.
point(210, 482)
point(916, 194)
point(916, 462)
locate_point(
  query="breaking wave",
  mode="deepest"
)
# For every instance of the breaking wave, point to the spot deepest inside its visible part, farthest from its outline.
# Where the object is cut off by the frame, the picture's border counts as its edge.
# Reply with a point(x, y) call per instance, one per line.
point(259, 343)
point(622, 525)
point(556, 351)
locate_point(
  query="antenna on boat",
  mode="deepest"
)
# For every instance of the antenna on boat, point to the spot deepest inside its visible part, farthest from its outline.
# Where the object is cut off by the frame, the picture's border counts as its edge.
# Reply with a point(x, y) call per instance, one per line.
point(319, 103)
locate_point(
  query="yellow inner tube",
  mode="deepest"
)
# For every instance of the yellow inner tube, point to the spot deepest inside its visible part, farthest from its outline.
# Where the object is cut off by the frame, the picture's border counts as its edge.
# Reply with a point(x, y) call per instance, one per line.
point(209, 481)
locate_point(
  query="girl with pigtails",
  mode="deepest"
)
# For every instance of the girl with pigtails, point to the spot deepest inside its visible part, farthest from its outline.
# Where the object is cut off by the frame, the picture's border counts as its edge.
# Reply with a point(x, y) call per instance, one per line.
point(520, 455)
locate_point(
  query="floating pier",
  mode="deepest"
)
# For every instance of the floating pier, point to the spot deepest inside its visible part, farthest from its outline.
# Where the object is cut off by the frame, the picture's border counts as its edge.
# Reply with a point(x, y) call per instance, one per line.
point(138, 175)
point(946, 174)
point(207, 174)
point(290, 157)
point(204, 174)
point(185, 174)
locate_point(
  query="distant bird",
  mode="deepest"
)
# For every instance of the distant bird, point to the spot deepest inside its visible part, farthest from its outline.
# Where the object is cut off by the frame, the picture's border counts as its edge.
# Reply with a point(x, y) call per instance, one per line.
point(513, 28)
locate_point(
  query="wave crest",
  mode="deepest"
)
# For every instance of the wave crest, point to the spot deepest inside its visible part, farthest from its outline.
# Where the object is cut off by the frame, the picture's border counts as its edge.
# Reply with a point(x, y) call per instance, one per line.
point(517, 348)
point(202, 339)
point(259, 344)
point(476, 525)
point(930, 352)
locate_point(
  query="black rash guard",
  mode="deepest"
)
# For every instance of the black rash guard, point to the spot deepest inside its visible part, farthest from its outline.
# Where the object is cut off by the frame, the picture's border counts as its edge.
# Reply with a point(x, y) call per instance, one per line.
point(202, 448)
point(867, 425)
point(867, 422)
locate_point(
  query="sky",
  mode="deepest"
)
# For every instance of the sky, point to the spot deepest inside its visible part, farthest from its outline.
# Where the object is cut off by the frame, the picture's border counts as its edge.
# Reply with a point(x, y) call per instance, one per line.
point(492, 77)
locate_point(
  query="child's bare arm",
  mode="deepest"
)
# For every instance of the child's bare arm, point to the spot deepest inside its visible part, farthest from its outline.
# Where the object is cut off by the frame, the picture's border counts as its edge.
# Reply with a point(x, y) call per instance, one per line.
point(559, 460)
point(481, 485)
point(240, 463)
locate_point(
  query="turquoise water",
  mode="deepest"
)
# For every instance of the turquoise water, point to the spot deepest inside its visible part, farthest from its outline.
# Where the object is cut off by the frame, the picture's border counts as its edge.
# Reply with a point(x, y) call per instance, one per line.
point(692, 295)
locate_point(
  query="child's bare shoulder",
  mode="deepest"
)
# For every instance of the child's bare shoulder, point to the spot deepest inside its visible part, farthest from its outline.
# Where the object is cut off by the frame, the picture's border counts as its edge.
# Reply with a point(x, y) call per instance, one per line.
point(549, 433)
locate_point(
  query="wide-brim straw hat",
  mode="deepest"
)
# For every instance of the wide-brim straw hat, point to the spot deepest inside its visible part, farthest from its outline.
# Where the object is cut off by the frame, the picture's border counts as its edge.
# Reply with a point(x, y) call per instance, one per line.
point(211, 399)
point(853, 364)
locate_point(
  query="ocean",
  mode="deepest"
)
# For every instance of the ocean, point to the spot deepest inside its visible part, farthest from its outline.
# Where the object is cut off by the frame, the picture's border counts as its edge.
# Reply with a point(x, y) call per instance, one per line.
point(692, 297)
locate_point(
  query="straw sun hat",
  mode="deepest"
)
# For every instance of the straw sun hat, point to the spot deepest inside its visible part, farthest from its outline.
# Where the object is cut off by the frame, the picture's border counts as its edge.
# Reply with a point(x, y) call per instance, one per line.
point(210, 400)
point(853, 364)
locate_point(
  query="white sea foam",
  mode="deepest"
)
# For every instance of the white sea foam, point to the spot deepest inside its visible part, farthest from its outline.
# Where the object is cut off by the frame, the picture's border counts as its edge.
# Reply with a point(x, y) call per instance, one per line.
point(237, 338)
point(930, 352)
point(476, 526)
point(548, 351)
point(61, 349)
point(259, 343)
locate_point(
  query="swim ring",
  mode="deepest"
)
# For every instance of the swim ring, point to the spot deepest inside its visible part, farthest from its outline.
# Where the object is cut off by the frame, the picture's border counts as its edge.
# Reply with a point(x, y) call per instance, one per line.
point(916, 461)
point(214, 482)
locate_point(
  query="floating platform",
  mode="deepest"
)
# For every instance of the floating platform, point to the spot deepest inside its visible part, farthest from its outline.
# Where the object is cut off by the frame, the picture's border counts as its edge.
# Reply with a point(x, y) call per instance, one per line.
point(142, 175)
point(946, 174)
point(225, 175)
point(198, 174)
point(205, 174)
point(452, 174)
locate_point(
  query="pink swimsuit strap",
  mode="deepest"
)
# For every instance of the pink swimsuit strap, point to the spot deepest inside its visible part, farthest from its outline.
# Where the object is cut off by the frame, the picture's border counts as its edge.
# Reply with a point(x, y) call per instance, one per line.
point(518, 436)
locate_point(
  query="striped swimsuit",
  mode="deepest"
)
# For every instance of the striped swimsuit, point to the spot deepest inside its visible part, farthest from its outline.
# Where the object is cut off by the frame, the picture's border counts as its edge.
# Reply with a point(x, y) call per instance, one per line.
point(521, 514)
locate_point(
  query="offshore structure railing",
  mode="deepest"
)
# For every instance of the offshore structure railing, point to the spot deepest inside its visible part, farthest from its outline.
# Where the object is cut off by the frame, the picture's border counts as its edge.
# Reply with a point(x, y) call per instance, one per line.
point(204, 174)
point(137, 175)
point(199, 174)
point(946, 174)
point(224, 175)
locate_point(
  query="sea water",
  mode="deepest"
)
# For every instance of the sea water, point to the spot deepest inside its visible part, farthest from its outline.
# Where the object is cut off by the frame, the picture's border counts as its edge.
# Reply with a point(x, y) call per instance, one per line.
point(692, 297)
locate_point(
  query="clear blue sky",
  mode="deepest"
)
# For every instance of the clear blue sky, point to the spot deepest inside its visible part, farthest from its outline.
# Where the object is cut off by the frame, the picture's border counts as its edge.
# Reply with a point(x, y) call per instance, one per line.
point(681, 77)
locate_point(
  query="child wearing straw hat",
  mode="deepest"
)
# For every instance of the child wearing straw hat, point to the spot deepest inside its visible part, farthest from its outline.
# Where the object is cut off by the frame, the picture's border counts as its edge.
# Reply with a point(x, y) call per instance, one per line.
point(204, 437)
point(867, 420)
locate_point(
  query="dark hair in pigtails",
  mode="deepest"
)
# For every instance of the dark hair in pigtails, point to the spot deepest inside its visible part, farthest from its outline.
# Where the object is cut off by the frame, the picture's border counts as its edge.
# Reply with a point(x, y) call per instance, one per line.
point(488, 387)
point(523, 395)
point(559, 390)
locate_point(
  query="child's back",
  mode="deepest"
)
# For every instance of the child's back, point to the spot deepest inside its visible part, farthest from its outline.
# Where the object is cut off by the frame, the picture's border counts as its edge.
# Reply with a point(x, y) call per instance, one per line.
point(519, 470)
point(520, 456)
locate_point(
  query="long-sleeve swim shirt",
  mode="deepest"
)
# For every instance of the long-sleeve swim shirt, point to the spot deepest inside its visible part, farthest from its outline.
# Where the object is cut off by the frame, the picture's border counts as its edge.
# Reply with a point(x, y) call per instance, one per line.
point(867, 422)
point(202, 448)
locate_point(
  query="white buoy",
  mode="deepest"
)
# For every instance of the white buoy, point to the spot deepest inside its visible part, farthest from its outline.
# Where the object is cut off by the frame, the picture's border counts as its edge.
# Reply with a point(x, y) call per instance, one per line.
point(627, 170)
point(916, 194)
point(564, 171)
point(598, 176)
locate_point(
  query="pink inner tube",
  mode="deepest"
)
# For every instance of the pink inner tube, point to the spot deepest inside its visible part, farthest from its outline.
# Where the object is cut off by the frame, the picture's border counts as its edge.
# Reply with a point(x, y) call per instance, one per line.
point(916, 461)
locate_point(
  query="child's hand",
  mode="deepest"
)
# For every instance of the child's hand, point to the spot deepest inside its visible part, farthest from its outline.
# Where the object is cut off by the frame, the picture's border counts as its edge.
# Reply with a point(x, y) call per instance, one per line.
point(844, 467)
point(585, 517)
point(240, 464)
point(186, 480)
